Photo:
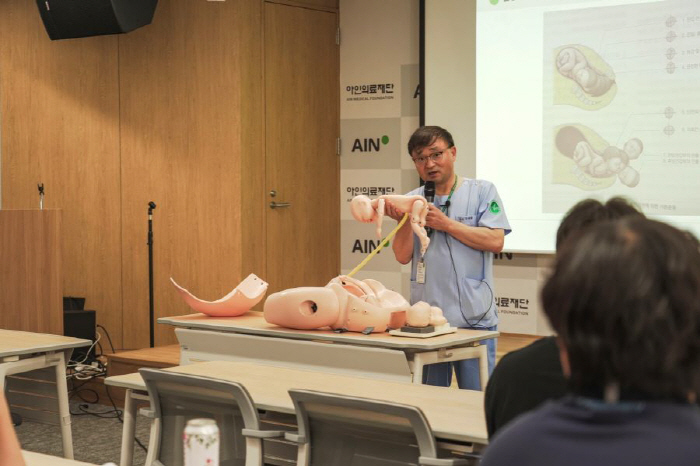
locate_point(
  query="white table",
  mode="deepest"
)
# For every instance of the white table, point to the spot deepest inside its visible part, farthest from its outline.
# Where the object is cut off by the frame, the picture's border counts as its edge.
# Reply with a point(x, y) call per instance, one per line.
point(456, 416)
point(37, 459)
point(249, 338)
point(27, 351)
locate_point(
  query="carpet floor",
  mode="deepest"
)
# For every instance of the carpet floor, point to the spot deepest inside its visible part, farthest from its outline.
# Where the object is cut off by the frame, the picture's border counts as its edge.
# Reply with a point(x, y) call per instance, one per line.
point(97, 435)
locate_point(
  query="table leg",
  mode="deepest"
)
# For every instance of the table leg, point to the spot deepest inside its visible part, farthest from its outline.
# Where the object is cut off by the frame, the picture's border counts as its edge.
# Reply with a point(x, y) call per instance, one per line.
point(152, 439)
point(417, 364)
point(417, 361)
point(63, 409)
point(128, 430)
point(483, 366)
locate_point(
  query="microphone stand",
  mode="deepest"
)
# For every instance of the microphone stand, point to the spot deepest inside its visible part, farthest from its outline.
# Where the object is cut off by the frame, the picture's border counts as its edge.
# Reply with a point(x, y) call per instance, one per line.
point(151, 314)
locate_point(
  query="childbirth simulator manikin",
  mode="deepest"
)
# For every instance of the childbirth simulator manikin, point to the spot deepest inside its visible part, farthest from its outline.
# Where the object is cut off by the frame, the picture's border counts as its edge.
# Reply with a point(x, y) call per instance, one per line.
point(369, 210)
point(348, 304)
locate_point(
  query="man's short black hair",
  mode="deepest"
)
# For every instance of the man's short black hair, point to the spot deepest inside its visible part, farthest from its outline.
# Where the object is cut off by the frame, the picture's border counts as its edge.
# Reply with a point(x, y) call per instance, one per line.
point(427, 135)
point(624, 299)
point(591, 211)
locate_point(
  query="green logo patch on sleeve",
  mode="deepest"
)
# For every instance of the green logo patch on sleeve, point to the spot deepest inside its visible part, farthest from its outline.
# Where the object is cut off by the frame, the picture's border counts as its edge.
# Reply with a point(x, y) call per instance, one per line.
point(494, 208)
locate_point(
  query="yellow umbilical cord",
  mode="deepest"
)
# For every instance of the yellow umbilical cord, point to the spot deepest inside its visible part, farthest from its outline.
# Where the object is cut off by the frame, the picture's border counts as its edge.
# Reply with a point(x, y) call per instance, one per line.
point(379, 248)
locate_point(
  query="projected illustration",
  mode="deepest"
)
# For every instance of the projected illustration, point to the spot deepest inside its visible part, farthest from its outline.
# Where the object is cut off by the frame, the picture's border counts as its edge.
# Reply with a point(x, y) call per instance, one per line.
point(620, 105)
point(582, 78)
point(585, 160)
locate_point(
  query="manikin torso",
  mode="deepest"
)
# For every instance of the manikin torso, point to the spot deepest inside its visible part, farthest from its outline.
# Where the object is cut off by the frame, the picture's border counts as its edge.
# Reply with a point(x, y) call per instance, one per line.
point(348, 304)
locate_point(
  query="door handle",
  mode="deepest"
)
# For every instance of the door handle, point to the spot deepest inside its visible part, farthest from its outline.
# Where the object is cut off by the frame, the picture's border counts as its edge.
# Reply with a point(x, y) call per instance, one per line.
point(277, 205)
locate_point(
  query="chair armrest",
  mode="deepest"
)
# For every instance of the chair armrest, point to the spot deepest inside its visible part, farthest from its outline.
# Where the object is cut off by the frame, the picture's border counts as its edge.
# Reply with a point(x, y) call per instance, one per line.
point(262, 433)
point(425, 461)
point(295, 437)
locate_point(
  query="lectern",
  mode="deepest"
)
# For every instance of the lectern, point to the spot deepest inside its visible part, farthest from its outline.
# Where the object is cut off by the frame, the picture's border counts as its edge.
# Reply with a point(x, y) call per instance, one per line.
point(31, 281)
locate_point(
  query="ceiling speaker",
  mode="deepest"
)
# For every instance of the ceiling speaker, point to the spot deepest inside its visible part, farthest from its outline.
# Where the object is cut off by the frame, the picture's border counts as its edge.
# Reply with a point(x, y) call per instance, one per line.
point(68, 19)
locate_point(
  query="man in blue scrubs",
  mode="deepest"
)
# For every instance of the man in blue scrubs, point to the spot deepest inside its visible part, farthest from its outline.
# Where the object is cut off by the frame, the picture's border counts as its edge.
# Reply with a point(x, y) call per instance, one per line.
point(468, 224)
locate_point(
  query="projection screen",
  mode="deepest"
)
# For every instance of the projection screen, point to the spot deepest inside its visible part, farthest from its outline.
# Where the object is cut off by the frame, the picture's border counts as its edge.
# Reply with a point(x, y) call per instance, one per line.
point(560, 100)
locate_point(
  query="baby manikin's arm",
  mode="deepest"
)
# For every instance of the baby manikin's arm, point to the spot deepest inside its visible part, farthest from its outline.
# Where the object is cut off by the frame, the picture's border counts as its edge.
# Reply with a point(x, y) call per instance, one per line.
point(380, 216)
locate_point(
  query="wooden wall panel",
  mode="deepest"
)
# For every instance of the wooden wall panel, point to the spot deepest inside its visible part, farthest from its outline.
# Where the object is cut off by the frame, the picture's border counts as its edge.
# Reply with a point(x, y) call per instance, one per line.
point(254, 197)
point(59, 126)
point(302, 113)
point(182, 87)
point(326, 5)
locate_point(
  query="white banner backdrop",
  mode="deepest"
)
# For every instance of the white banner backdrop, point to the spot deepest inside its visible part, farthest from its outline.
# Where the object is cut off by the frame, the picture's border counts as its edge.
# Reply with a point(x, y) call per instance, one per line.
point(378, 113)
point(518, 280)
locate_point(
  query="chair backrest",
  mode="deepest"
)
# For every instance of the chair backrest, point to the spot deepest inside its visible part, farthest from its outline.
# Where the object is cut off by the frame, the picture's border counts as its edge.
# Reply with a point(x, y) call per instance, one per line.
point(344, 430)
point(177, 398)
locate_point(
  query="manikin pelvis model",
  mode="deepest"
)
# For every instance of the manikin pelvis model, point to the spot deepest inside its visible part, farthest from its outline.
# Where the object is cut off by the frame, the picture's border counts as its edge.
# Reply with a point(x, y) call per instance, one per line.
point(247, 294)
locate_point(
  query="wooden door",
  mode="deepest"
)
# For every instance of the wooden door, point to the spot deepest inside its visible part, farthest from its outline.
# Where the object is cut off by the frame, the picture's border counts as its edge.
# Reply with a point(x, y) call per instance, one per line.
point(301, 127)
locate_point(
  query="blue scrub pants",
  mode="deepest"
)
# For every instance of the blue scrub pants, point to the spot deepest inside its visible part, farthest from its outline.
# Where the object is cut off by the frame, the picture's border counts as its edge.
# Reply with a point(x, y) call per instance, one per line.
point(467, 370)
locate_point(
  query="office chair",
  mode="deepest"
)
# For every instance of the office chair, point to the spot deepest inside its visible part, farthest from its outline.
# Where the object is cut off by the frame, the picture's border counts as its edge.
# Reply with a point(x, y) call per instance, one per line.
point(336, 430)
point(177, 398)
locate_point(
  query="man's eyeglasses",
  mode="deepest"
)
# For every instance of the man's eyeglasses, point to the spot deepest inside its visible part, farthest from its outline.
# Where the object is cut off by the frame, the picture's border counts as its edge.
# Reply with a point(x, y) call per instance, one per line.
point(436, 157)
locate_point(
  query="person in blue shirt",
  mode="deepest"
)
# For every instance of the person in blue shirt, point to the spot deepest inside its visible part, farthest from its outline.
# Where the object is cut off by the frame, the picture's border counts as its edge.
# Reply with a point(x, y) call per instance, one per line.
point(468, 224)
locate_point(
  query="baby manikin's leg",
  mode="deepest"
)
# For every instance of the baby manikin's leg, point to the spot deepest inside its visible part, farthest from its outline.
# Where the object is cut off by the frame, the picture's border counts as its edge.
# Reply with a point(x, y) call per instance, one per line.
point(380, 216)
point(419, 211)
point(422, 236)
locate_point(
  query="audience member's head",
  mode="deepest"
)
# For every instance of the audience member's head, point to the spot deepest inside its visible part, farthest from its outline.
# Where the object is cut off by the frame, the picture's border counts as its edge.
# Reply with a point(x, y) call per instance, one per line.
point(624, 298)
point(591, 211)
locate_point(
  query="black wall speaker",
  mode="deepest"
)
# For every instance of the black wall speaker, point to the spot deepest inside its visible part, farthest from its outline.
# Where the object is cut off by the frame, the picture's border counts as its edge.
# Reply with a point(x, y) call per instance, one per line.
point(68, 19)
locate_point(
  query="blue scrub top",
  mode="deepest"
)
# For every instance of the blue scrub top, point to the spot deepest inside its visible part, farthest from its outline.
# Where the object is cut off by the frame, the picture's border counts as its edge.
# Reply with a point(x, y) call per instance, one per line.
point(459, 279)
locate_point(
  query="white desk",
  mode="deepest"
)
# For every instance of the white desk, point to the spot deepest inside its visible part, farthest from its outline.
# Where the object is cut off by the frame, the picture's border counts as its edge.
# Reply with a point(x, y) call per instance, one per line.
point(37, 459)
point(27, 351)
point(456, 416)
point(249, 338)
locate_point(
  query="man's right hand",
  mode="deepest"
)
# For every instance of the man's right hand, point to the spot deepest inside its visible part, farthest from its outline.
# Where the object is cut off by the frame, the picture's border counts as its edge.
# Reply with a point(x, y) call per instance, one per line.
point(392, 211)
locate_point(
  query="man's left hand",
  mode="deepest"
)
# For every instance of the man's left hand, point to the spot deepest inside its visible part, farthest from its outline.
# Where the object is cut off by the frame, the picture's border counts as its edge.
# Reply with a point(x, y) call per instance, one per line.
point(436, 219)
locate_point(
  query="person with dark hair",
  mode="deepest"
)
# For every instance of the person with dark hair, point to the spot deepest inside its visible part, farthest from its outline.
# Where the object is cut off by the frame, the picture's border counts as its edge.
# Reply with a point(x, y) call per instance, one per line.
point(624, 299)
point(524, 379)
point(468, 225)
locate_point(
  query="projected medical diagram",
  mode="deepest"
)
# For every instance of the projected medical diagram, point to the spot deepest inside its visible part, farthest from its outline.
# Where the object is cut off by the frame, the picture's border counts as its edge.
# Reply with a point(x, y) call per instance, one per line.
point(597, 164)
point(591, 87)
point(621, 106)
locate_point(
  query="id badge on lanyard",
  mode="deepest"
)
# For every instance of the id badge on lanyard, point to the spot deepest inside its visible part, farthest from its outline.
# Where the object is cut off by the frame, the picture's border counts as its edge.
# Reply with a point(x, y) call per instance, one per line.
point(420, 272)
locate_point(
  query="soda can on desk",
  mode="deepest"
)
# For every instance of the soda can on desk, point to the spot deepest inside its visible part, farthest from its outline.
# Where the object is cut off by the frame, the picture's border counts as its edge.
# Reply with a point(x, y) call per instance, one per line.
point(201, 443)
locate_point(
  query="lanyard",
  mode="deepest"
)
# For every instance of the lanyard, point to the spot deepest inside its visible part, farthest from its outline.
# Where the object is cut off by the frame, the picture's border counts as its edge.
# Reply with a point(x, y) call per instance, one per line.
point(420, 266)
point(446, 205)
